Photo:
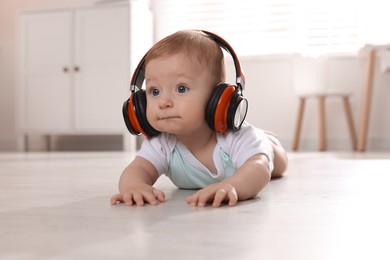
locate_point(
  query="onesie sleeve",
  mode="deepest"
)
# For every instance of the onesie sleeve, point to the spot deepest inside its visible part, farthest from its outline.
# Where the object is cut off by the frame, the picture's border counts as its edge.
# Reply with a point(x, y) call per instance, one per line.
point(157, 151)
point(245, 143)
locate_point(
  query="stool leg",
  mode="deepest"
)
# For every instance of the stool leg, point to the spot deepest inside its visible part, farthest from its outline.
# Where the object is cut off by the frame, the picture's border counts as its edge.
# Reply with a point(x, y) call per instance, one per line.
point(321, 124)
point(298, 126)
point(351, 126)
point(366, 102)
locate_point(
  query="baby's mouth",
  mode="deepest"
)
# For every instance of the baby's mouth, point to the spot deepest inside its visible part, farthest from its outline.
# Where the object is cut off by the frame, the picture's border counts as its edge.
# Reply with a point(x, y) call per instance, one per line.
point(168, 117)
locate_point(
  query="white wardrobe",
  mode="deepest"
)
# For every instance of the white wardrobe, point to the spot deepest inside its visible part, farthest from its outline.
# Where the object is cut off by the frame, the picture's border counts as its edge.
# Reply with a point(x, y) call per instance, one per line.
point(74, 70)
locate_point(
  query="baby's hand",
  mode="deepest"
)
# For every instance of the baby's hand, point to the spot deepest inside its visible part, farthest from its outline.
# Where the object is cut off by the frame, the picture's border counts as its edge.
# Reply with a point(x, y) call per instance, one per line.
point(215, 193)
point(139, 194)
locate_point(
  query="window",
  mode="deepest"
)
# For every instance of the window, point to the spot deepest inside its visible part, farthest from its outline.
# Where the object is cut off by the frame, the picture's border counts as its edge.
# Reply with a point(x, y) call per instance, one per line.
point(256, 27)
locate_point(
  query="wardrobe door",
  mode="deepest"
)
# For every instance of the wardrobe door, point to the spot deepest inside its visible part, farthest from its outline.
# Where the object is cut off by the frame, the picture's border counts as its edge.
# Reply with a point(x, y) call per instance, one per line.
point(46, 46)
point(101, 67)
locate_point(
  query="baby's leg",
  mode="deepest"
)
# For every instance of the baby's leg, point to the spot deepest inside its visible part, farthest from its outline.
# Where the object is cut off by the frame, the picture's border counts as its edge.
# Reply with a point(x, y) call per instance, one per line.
point(280, 156)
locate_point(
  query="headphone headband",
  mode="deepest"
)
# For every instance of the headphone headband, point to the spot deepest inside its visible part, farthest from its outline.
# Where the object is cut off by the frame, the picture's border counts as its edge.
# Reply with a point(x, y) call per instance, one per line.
point(240, 78)
point(139, 73)
point(138, 76)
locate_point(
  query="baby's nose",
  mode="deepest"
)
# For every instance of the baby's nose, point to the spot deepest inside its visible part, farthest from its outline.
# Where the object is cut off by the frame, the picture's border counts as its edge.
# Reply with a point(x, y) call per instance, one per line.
point(166, 102)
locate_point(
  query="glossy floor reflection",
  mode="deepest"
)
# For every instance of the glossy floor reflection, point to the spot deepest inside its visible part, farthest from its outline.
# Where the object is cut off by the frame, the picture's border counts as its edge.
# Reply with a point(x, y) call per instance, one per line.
point(328, 206)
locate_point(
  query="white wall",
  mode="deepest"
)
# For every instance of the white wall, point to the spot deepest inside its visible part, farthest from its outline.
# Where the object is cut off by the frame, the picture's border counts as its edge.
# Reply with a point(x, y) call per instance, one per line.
point(273, 104)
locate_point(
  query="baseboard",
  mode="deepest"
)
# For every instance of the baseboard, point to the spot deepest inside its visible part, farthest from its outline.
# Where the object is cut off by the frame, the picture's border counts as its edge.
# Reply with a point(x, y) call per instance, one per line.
point(43, 143)
point(378, 144)
point(109, 143)
point(8, 144)
point(374, 144)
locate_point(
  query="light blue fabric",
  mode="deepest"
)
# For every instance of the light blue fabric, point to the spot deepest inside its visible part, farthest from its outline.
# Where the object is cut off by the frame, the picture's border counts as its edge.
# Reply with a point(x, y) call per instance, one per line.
point(232, 150)
point(189, 176)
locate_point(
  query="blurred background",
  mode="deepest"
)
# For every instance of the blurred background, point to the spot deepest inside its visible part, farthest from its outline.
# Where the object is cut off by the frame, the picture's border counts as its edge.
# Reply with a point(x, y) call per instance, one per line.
point(65, 66)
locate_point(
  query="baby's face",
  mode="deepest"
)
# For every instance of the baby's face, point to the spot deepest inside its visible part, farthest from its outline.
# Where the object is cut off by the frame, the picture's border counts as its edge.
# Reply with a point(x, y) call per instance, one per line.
point(177, 92)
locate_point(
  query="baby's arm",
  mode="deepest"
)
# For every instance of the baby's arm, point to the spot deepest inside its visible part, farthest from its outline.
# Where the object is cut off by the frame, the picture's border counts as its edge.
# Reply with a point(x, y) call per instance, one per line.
point(136, 184)
point(244, 184)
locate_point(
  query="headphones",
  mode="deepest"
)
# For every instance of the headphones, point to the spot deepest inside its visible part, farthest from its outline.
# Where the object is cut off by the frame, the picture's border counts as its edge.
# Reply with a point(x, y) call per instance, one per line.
point(226, 109)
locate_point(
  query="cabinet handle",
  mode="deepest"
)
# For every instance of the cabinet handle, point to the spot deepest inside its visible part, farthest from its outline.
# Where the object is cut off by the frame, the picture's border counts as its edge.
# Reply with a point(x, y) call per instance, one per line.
point(65, 69)
point(76, 68)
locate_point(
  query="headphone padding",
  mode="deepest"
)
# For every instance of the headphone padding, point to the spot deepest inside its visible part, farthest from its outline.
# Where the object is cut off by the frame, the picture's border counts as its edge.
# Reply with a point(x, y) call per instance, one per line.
point(213, 103)
point(139, 102)
point(130, 118)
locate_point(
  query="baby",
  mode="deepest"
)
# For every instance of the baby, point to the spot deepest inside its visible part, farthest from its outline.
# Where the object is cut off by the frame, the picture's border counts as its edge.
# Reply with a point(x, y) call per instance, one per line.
point(194, 127)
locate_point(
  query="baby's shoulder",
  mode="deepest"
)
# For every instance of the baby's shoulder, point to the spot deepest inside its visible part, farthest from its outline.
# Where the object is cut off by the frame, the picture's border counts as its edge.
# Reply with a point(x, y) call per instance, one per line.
point(246, 131)
point(164, 142)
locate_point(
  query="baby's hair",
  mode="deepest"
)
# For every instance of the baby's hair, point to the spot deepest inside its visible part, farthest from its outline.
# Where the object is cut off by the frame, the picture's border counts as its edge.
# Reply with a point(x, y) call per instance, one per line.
point(196, 45)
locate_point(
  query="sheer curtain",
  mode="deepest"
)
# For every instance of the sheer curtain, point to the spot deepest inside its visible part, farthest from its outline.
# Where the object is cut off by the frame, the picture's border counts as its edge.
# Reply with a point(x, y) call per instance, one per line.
point(258, 27)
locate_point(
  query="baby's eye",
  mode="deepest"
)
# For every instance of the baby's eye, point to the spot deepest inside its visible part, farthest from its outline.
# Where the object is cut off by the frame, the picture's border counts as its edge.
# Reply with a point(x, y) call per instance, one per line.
point(182, 89)
point(154, 92)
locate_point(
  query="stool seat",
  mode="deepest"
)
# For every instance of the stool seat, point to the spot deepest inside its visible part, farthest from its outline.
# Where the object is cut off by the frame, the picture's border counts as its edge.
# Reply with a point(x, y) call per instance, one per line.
point(323, 92)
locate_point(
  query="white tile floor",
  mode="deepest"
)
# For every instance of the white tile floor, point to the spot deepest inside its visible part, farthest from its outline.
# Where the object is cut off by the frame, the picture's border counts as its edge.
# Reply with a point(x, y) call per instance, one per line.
point(328, 206)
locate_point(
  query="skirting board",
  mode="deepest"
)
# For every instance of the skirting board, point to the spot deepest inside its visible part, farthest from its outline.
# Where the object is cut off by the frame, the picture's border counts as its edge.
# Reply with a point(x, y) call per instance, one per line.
point(377, 144)
point(90, 143)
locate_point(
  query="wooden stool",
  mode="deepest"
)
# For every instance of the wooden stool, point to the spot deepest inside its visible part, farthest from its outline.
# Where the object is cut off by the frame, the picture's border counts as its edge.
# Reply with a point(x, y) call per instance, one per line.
point(322, 123)
point(309, 80)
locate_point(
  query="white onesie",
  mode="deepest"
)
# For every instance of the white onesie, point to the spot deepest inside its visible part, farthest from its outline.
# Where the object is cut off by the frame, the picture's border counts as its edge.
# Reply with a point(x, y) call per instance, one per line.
point(172, 158)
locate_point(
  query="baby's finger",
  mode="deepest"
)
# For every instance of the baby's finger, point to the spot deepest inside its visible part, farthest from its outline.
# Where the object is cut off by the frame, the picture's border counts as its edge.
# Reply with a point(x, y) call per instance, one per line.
point(193, 199)
point(116, 198)
point(128, 199)
point(138, 199)
point(220, 195)
point(233, 197)
point(159, 195)
point(150, 198)
point(204, 197)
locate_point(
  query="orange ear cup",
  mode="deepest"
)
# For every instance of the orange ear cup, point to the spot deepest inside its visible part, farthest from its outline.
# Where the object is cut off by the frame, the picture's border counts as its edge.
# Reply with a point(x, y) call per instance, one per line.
point(130, 117)
point(221, 111)
point(133, 118)
point(134, 114)
point(218, 107)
